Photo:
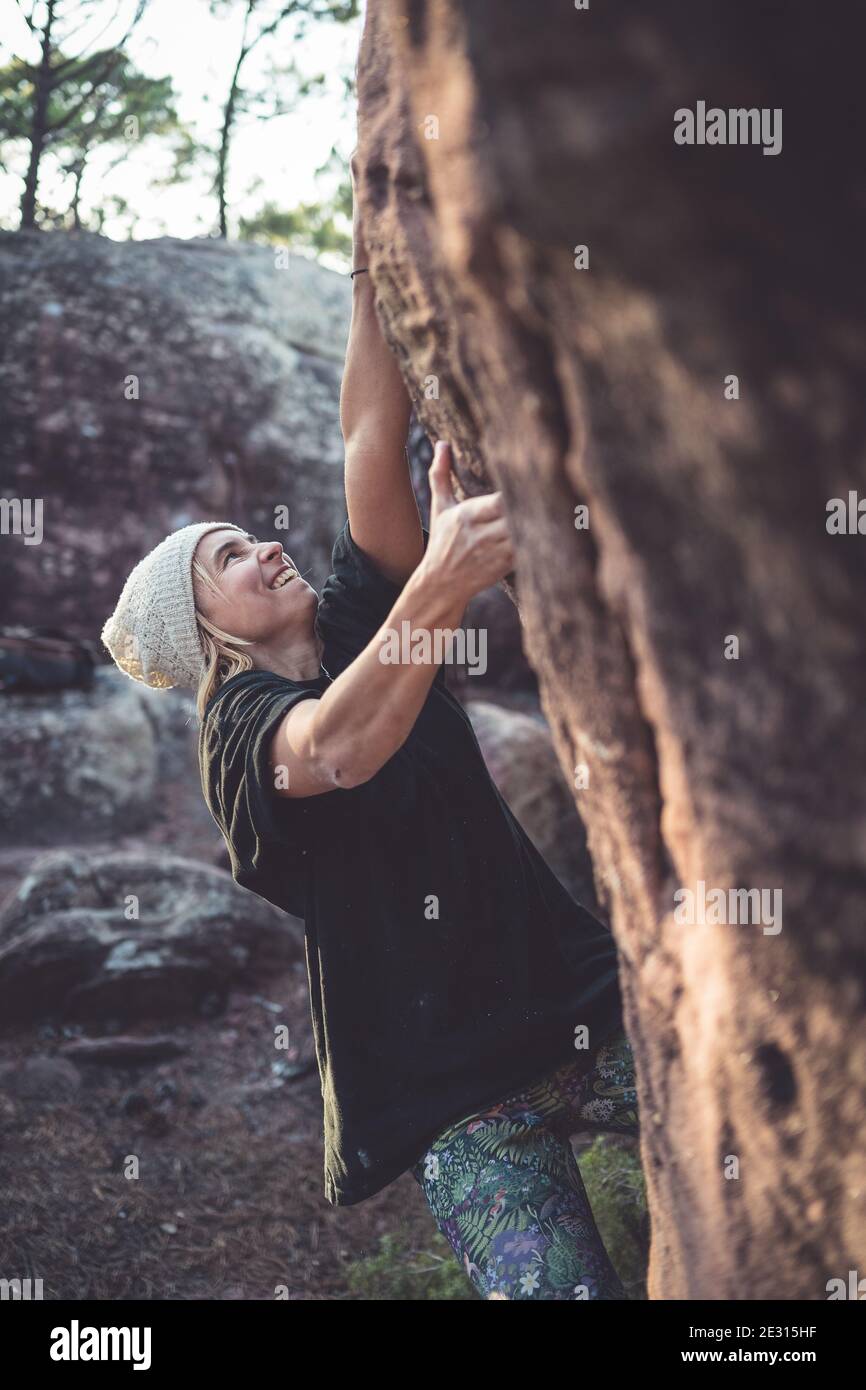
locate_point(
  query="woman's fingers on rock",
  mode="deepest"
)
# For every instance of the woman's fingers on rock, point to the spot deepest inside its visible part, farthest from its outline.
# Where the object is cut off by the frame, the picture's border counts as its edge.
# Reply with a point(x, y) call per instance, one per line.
point(441, 450)
point(441, 491)
point(488, 508)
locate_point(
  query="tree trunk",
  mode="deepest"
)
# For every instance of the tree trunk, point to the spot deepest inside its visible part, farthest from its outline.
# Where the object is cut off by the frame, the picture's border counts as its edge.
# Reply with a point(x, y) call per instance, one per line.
point(39, 123)
point(228, 123)
point(75, 205)
point(700, 645)
point(222, 161)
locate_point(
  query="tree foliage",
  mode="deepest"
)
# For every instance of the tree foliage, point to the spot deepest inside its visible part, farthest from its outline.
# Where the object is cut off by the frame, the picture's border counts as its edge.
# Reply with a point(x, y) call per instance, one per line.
point(83, 115)
point(263, 19)
point(54, 24)
point(77, 96)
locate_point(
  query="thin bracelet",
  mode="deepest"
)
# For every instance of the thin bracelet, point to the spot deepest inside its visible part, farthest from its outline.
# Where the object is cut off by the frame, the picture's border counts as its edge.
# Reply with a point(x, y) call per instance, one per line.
point(353, 273)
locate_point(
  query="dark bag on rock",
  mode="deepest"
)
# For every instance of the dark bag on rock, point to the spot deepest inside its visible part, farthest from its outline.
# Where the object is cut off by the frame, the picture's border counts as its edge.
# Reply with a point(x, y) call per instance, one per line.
point(34, 659)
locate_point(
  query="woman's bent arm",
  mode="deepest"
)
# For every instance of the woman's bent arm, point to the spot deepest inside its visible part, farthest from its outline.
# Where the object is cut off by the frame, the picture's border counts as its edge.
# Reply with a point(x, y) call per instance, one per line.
point(343, 738)
point(367, 713)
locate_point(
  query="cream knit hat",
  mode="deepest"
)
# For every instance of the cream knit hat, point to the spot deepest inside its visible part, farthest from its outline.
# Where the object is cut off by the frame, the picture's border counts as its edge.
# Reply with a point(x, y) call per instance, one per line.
point(152, 633)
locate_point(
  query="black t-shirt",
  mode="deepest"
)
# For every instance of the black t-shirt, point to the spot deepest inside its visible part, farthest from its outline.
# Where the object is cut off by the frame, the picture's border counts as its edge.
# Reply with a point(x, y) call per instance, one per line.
point(448, 966)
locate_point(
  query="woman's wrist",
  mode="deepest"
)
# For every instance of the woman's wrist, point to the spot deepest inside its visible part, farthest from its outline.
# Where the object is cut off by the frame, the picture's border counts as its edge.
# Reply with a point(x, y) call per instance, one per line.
point(437, 594)
point(362, 285)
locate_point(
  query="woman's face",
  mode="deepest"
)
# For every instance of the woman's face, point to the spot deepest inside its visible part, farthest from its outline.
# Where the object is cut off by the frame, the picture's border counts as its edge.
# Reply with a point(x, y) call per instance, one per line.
point(249, 605)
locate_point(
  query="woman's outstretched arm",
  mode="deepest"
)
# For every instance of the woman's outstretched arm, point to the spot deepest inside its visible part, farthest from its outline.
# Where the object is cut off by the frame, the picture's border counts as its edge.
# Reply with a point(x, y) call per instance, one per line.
point(374, 419)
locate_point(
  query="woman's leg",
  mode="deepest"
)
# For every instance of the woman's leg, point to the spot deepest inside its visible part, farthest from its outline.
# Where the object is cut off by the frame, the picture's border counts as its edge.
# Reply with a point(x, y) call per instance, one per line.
point(506, 1193)
point(602, 1096)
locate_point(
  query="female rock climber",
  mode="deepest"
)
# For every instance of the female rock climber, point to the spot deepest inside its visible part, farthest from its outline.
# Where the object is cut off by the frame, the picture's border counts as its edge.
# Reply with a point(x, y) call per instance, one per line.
point(466, 1010)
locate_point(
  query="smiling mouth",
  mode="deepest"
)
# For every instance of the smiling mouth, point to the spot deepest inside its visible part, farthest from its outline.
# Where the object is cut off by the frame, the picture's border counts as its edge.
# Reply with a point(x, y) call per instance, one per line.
point(284, 577)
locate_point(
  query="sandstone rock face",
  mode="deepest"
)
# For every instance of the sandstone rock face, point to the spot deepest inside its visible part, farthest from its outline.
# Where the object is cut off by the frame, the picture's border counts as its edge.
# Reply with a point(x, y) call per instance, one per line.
point(86, 764)
point(131, 936)
point(492, 145)
point(149, 384)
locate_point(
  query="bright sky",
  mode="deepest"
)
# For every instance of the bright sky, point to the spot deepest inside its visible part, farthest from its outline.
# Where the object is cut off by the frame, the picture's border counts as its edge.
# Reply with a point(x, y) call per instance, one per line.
point(271, 160)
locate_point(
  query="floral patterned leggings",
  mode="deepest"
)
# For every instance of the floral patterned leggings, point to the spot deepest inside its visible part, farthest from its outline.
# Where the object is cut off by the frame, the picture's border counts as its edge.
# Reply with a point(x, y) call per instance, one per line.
point(506, 1191)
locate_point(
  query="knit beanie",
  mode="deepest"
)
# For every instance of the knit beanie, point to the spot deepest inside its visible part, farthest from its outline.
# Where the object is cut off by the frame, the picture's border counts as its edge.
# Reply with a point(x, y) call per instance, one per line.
point(152, 633)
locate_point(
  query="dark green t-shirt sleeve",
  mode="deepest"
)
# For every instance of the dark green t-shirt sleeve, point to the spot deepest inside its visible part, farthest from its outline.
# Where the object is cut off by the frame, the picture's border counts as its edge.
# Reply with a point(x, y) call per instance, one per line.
point(356, 599)
point(237, 778)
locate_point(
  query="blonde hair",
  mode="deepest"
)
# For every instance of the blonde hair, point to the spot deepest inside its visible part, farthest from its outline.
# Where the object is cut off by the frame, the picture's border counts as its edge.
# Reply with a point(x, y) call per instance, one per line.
point(222, 655)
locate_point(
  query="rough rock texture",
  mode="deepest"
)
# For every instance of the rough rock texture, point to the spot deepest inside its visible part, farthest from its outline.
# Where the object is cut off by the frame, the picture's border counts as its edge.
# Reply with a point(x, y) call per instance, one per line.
point(518, 751)
point(89, 763)
point(238, 363)
point(492, 145)
point(70, 946)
